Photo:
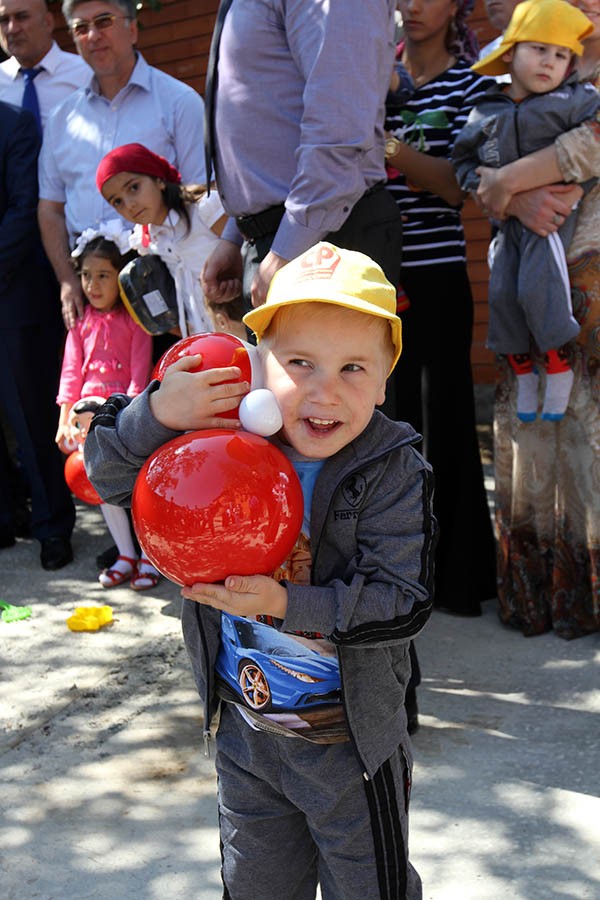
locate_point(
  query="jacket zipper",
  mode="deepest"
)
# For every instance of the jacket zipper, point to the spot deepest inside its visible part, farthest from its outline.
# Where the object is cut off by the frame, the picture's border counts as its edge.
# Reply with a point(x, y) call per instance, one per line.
point(206, 734)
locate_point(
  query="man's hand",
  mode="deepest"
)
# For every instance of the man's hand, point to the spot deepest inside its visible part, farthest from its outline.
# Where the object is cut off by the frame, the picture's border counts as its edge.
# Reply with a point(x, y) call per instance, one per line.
point(221, 276)
point(242, 595)
point(188, 401)
point(270, 264)
point(71, 302)
point(53, 229)
point(543, 210)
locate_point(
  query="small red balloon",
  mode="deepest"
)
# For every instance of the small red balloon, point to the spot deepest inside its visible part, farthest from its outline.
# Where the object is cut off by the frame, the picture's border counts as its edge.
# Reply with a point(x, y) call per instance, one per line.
point(218, 350)
point(214, 503)
point(77, 480)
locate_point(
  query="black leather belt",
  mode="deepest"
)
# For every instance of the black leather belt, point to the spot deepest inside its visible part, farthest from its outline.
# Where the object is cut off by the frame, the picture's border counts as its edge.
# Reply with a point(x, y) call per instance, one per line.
point(261, 224)
point(267, 221)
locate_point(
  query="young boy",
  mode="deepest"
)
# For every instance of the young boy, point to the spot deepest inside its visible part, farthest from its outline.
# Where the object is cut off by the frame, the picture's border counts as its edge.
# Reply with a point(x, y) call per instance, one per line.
point(301, 802)
point(529, 292)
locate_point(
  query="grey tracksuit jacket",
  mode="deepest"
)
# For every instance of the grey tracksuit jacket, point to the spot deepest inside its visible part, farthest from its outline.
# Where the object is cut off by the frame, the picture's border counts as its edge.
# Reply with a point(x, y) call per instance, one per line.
point(528, 288)
point(373, 538)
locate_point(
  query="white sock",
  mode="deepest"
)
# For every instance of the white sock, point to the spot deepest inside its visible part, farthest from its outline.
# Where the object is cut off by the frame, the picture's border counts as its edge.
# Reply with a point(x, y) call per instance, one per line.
point(527, 396)
point(556, 398)
point(117, 521)
point(145, 566)
point(145, 571)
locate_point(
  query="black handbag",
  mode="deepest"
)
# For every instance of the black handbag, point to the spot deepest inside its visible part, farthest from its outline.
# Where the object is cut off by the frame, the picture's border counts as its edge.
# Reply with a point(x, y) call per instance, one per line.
point(148, 292)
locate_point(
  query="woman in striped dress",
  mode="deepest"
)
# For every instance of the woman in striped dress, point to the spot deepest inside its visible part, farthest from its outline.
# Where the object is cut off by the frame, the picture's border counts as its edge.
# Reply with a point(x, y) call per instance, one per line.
point(432, 92)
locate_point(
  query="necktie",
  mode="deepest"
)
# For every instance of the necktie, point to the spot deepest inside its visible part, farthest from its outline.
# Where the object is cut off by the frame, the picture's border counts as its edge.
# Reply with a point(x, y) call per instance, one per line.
point(30, 97)
point(211, 87)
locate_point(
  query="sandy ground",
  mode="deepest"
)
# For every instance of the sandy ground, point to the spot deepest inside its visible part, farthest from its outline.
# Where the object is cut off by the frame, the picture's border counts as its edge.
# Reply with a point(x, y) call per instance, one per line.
point(106, 793)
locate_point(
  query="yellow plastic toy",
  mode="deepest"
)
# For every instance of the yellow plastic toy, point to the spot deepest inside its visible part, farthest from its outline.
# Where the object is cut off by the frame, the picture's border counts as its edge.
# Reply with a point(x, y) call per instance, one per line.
point(90, 618)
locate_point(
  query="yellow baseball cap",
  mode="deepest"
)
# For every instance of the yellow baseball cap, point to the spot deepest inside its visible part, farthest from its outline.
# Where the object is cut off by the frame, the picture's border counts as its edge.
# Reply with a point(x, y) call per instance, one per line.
point(327, 274)
point(544, 21)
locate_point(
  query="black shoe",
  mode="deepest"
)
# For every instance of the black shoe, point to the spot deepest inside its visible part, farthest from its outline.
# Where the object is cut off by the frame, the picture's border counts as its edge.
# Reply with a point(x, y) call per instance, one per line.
point(7, 537)
point(56, 553)
point(107, 558)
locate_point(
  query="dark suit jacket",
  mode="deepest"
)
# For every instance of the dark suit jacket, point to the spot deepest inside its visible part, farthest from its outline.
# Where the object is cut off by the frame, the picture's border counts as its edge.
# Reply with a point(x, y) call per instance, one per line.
point(28, 290)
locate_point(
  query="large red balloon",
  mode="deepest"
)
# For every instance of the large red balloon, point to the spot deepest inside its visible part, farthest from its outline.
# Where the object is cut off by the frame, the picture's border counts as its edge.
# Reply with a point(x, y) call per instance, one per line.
point(218, 350)
point(214, 503)
point(77, 480)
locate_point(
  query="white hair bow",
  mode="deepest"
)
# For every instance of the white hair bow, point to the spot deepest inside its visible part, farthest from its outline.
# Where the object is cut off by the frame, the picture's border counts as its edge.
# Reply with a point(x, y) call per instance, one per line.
point(114, 230)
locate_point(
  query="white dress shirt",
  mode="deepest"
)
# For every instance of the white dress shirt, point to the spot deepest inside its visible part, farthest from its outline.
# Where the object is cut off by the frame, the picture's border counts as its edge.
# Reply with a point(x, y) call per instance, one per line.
point(153, 109)
point(62, 73)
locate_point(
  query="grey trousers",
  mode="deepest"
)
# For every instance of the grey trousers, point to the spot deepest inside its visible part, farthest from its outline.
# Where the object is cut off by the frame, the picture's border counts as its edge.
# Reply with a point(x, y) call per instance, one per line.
point(529, 294)
point(294, 814)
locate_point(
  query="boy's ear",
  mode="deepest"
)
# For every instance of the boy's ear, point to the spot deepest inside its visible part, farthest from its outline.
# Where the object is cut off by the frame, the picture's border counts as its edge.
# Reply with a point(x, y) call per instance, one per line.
point(381, 395)
point(221, 321)
point(508, 56)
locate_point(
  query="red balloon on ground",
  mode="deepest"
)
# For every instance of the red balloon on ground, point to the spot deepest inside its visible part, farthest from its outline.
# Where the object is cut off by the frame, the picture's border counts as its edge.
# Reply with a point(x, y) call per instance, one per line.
point(214, 503)
point(77, 480)
point(218, 350)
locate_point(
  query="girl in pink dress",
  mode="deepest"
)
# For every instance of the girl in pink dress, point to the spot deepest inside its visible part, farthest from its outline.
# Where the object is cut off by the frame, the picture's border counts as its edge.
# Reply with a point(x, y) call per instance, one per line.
point(106, 353)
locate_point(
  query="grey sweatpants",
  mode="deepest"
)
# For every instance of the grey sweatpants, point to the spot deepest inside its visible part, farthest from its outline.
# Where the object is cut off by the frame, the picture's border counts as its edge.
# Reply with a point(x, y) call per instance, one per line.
point(293, 814)
point(529, 293)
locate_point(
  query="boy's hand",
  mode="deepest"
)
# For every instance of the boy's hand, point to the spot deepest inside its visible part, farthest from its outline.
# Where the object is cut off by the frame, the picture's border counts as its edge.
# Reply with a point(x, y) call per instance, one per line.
point(188, 401)
point(242, 595)
point(492, 194)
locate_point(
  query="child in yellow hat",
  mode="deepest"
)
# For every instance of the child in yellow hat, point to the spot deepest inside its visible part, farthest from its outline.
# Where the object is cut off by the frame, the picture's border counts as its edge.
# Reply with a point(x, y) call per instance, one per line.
point(529, 292)
point(302, 751)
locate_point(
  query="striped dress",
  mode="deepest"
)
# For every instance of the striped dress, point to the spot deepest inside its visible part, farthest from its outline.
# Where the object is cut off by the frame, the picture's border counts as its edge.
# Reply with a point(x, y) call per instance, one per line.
point(429, 119)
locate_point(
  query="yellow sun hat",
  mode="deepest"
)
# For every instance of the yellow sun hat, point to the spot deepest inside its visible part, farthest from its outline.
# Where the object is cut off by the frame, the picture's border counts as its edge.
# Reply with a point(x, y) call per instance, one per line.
point(543, 21)
point(328, 274)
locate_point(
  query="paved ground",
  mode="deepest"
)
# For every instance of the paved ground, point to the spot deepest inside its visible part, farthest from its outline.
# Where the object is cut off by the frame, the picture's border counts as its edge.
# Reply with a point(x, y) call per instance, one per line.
point(106, 793)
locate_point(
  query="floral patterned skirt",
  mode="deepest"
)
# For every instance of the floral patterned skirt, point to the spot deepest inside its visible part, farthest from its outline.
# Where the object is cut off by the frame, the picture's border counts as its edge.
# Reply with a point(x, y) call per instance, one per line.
point(548, 491)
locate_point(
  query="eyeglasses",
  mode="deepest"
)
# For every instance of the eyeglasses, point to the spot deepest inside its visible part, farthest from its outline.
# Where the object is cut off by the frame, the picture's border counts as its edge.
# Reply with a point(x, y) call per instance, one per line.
point(80, 28)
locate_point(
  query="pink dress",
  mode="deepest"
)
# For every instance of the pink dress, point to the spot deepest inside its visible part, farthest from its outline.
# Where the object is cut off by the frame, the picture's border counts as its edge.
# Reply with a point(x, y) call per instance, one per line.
point(105, 353)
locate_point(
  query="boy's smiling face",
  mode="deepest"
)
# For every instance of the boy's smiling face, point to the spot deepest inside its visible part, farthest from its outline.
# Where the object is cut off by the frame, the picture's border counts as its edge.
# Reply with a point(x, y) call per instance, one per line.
point(327, 367)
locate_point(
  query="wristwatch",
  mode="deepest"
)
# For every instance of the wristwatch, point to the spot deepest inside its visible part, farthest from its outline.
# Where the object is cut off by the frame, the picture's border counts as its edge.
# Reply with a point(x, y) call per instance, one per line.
point(392, 145)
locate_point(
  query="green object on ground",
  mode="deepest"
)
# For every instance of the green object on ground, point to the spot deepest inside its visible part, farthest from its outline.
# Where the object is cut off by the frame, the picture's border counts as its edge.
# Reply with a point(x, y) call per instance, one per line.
point(12, 613)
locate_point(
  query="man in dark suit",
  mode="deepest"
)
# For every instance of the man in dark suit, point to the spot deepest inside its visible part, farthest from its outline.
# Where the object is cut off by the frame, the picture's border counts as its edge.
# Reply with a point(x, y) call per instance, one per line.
point(31, 333)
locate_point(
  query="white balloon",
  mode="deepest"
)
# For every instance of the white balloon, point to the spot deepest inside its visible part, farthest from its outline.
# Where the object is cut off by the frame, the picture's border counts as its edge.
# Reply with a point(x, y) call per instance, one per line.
point(259, 413)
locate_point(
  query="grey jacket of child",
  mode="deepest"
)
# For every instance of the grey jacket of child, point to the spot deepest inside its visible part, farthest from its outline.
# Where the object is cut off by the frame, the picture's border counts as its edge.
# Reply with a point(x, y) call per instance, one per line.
point(499, 131)
point(373, 538)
